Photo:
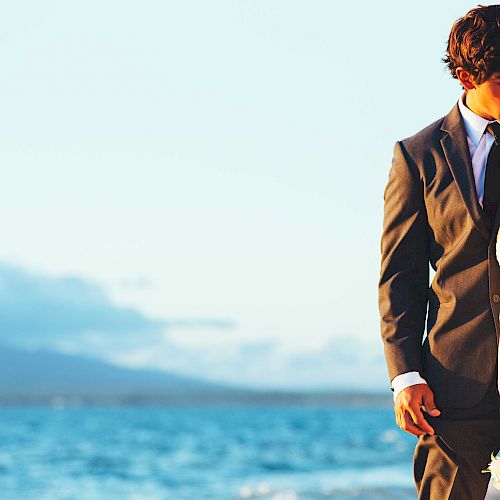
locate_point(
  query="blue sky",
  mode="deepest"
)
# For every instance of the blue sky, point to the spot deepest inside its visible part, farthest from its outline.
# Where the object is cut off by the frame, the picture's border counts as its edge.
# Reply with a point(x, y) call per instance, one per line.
point(218, 168)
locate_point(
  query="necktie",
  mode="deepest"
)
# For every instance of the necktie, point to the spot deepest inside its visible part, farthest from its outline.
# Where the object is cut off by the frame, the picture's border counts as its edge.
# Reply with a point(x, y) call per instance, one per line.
point(492, 175)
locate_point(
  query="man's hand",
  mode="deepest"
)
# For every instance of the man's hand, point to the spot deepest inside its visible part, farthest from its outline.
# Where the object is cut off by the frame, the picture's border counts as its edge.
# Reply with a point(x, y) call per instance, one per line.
point(408, 409)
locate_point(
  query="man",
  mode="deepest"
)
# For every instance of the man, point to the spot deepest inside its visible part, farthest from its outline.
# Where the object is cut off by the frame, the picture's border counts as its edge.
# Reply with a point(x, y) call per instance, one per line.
point(440, 207)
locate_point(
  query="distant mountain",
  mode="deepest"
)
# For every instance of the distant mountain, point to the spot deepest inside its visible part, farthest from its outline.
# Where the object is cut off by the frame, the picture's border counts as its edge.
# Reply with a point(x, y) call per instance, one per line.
point(42, 373)
point(43, 376)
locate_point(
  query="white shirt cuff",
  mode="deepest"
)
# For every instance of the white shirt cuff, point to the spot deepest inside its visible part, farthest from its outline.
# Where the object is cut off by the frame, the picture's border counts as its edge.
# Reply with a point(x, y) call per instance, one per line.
point(405, 380)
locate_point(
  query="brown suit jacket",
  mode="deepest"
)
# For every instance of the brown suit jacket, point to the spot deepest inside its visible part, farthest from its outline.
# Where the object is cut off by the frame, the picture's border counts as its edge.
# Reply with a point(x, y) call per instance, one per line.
point(432, 215)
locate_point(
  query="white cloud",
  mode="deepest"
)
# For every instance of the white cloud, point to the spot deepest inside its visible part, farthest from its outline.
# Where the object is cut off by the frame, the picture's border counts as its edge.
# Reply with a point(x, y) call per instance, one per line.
point(334, 363)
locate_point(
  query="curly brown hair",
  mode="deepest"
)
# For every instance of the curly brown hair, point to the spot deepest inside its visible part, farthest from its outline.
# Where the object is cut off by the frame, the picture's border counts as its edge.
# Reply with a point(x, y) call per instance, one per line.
point(474, 43)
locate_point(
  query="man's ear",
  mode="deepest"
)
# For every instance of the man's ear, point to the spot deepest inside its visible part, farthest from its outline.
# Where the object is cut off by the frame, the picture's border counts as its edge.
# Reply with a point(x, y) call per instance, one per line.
point(465, 78)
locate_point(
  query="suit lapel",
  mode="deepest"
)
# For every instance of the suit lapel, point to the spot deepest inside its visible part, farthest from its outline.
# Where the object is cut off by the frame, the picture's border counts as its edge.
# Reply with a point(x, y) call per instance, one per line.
point(456, 151)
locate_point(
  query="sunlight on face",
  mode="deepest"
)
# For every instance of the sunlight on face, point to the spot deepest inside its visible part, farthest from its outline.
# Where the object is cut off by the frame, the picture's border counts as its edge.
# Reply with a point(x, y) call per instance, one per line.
point(488, 95)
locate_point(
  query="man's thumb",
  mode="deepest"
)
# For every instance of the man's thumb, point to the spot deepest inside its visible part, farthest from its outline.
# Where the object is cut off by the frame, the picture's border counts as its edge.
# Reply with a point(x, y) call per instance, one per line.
point(430, 407)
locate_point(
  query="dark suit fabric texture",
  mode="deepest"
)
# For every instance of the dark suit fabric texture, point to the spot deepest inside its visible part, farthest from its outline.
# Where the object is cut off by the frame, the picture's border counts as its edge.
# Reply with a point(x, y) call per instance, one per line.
point(447, 330)
point(448, 464)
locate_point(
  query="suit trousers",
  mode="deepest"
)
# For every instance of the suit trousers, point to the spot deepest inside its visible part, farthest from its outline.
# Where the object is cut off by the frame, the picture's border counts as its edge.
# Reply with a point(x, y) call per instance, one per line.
point(448, 464)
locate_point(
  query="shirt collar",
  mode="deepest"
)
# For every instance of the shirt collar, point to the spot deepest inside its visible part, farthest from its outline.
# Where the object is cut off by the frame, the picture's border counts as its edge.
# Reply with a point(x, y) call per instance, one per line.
point(475, 125)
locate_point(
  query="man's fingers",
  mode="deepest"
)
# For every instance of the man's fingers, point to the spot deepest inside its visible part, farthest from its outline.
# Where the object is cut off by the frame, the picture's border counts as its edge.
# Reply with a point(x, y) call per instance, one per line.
point(419, 420)
point(428, 404)
point(409, 426)
point(405, 422)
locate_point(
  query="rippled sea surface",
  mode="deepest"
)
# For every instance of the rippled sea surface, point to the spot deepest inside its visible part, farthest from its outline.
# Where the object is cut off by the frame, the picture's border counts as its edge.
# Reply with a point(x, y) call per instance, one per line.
point(190, 453)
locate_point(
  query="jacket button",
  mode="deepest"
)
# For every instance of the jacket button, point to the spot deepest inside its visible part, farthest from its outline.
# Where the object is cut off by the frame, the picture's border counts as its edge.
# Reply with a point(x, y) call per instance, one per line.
point(495, 298)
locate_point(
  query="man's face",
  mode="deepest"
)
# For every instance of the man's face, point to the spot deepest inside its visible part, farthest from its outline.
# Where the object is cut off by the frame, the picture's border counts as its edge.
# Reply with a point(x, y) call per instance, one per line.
point(487, 95)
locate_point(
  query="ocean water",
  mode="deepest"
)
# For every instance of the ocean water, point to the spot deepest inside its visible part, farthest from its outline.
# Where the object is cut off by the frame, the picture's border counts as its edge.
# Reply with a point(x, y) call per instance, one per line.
point(203, 452)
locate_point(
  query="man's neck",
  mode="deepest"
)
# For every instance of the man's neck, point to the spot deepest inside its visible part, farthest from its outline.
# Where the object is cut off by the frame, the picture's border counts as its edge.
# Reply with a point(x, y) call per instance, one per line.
point(471, 102)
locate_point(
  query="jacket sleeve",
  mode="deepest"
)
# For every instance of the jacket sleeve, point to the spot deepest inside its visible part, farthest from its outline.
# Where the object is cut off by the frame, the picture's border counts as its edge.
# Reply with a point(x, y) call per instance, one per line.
point(404, 272)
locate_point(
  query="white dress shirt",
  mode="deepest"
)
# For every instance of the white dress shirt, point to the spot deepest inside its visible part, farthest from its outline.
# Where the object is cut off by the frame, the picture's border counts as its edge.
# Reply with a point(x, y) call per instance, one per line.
point(480, 142)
